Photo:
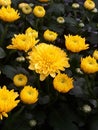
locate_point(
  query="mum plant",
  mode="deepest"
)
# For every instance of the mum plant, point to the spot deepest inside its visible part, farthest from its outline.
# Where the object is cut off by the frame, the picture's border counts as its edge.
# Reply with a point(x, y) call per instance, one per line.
point(48, 64)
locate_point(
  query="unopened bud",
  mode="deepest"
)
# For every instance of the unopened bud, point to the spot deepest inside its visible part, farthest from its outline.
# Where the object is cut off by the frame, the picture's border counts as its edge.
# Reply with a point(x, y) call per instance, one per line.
point(86, 108)
point(78, 70)
point(32, 123)
point(81, 24)
point(75, 5)
point(95, 10)
point(20, 59)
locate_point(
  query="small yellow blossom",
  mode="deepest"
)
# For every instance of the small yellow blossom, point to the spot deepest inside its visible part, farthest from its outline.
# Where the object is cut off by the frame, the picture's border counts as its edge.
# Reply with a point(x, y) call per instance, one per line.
point(20, 80)
point(60, 20)
point(50, 35)
point(21, 5)
point(29, 95)
point(32, 32)
point(62, 83)
point(89, 4)
point(39, 11)
point(44, 0)
point(89, 64)
point(22, 42)
point(75, 43)
point(95, 54)
point(47, 60)
point(5, 2)
point(26, 9)
point(7, 101)
point(9, 14)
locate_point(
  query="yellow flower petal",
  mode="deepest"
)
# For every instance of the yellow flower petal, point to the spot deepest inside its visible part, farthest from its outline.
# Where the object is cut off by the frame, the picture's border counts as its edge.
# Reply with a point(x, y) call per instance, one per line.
point(47, 60)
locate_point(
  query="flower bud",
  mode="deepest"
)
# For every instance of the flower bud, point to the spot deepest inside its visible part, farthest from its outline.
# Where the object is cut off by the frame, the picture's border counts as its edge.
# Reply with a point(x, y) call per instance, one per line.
point(60, 20)
point(78, 70)
point(27, 9)
point(75, 5)
point(20, 59)
point(86, 108)
point(32, 123)
point(95, 10)
point(81, 24)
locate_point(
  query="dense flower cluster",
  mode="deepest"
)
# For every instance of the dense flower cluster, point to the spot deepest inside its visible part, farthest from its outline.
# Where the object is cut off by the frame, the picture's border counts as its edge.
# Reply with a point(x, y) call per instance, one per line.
point(48, 64)
point(25, 41)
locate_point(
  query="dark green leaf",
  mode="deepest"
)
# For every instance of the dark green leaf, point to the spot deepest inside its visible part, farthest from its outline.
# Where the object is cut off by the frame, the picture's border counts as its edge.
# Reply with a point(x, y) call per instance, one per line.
point(62, 119)
point(44, 99)
point(9, 71)
point(2, 53)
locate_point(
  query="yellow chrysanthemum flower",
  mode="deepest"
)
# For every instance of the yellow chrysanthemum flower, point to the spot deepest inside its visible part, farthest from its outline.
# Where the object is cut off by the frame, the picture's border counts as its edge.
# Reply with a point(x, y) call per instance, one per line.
point(21, 5)
point(39, 11)
point(62, 83)
point(32, 32)
point(23, 42)
point(47, 60)
point(50, 35)
point(95, 54)
point(20, 80)
point(5, 2)
point(75, 43)
point(26, 9)
point(89, 4)
point(7, 101)
point(29, 95)
point(60, 20)
point(9, 14)
point(89, 64)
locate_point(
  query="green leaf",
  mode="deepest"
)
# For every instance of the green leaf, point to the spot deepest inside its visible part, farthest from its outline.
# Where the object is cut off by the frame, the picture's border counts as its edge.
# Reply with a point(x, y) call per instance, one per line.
point(9, 71)
point(2, 53)
point(57, 9)
point(93, 123)
point(18, 122)
point(44, 99)
point(62, 118)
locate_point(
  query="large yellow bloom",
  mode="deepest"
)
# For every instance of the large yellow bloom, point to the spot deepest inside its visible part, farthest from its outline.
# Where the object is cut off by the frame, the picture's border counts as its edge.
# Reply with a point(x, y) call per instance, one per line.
point(29, 95)
point(5, 2)
point(89, 4)
point(7, 101)
point(47, 60)
point(20, 80)
point(50, 35)
point(95, 54)
point(62, 83)
point(32, 32)
point(39, 11)
point(23, 42)
point(9, 14)
point(89, 64)
point(75, 43)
